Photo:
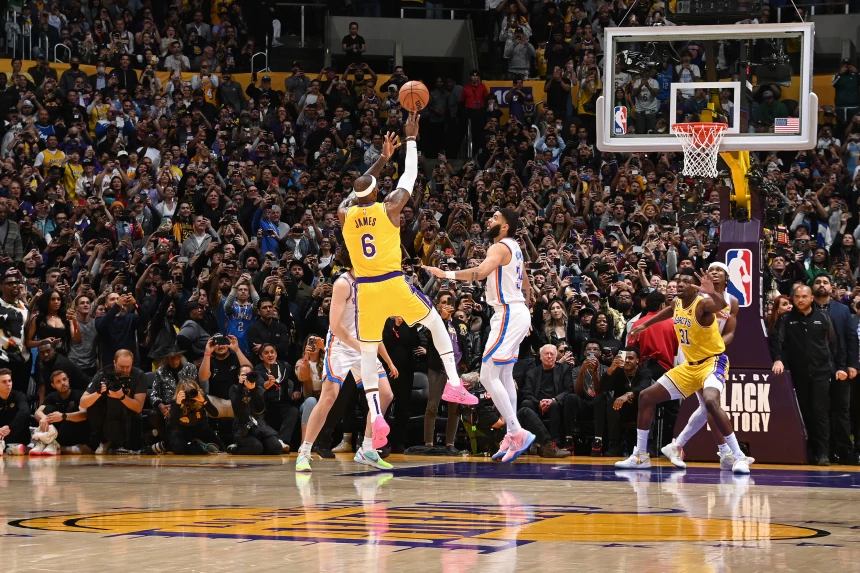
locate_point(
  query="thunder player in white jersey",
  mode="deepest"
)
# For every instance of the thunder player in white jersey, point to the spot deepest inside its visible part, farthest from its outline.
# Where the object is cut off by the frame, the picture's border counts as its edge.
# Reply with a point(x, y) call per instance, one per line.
point(727, 320)
point(508, 289)
point(342, 356)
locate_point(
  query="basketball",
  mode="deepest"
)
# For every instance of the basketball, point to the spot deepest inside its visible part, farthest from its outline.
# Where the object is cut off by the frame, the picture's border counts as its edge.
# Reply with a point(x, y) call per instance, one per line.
point(414, 96)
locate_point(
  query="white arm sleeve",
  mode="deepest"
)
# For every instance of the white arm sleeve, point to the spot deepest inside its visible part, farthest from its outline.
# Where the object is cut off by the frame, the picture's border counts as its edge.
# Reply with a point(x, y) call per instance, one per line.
point(410, 173)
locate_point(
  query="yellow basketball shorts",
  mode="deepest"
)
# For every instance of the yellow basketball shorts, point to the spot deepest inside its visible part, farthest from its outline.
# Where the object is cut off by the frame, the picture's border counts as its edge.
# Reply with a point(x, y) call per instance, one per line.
point(379, 298)
point(688, 378)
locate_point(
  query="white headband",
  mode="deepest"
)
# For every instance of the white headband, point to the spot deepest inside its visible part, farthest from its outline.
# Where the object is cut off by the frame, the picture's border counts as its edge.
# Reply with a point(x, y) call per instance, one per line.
point(370, 188)
point(720, 266)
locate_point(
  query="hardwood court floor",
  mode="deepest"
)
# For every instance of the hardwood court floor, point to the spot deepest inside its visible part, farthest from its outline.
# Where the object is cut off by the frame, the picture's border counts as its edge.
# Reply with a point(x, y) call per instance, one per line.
point(454, 515)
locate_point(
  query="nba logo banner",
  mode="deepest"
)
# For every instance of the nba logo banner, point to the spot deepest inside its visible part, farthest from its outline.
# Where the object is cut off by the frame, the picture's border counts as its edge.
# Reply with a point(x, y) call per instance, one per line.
point(740, 283)
point(620, 120)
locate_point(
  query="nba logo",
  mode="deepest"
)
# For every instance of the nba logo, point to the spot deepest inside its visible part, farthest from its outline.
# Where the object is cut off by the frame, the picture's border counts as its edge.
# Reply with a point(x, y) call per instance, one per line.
point(740, 266)
point(620, 120)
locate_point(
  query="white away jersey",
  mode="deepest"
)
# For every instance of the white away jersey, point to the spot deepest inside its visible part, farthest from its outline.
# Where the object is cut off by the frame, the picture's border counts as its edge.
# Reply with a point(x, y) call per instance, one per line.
point(505, 284)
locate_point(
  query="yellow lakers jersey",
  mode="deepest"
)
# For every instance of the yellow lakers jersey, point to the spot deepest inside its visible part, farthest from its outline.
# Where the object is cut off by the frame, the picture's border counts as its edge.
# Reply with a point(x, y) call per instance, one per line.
point(70, 179)
point(52, 159)
point(98, 113)
point(699, 342)
point(208, 90)
point(372, 240)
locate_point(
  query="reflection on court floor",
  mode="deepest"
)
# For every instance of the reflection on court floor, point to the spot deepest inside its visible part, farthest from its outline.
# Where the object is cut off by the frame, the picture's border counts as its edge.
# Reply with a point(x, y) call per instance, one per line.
point(86, 513)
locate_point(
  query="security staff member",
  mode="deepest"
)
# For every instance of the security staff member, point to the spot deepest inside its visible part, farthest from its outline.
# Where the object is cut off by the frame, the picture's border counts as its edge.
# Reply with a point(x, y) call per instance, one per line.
point(805, 341)
point(840, 390)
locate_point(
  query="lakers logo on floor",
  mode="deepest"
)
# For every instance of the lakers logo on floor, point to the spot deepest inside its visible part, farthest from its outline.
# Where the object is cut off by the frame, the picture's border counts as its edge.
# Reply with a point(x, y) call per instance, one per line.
point(487, 528)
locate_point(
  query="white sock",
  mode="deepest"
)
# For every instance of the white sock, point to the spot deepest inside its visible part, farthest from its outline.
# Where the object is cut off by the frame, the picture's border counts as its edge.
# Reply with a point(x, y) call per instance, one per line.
point(367, 444)
point(642, 441)
point(305, 448)
point(442, 341)
point(450, 368)
point(490, 380)
point(724, 449)
point(732, 442)
point(373, 405)
point(369, 372)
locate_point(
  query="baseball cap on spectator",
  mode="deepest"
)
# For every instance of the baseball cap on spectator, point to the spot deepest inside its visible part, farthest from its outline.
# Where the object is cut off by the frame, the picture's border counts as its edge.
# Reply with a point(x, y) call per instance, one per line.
point(266, 79)
point(767, 94)
point(847, 61)
point(27, 103)
point(122, 153)
point(587, 309)
point(190, 307)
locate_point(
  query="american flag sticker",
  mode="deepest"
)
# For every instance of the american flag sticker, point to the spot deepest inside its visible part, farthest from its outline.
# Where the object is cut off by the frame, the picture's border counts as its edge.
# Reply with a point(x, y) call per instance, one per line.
point(786, 125)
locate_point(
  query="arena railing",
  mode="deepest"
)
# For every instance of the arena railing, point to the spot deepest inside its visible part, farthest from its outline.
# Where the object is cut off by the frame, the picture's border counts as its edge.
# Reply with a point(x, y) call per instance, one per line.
point(451, 13)
point(68, 51)
point(265, 67)
point(789, 13)
point(302, 11)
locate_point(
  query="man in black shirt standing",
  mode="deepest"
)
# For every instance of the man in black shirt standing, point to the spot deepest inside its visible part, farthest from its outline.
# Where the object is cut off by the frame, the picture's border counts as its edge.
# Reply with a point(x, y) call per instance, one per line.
point(626, 378)
point(14, 417)
point(268, 330)
point(114, 414)
point(61, 418)
point(805, 342)
point(557, 90)
point(840, 390)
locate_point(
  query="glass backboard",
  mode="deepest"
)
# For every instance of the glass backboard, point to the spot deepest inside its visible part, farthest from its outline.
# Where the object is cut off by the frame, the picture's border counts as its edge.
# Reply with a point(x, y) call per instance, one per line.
point(757, 78)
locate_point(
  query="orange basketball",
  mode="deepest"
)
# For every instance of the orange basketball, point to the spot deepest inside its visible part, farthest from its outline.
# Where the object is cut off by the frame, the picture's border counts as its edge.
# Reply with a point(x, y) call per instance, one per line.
point(414, 96)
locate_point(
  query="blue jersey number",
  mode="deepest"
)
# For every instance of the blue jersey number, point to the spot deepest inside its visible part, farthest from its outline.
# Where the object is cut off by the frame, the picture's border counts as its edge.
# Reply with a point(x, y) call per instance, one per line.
point(367, 246)
point(519, 277)
point(684, 335)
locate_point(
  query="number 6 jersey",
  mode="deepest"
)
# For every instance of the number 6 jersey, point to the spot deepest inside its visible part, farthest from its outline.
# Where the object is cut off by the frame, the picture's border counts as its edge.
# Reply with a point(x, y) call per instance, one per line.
point(372, 240)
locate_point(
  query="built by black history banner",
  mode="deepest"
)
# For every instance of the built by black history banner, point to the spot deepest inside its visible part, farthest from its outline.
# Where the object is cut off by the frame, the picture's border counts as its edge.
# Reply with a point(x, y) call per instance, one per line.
point(764, 413)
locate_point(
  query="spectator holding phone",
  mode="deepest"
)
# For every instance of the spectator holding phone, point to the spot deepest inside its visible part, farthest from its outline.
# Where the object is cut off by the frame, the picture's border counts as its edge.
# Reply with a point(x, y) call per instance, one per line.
point(624, 380)
point(117, 329)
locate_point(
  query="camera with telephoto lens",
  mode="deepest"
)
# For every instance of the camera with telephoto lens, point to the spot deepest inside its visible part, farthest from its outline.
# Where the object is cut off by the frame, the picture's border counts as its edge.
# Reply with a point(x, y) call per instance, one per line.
point(116, 383)
point(191, 395)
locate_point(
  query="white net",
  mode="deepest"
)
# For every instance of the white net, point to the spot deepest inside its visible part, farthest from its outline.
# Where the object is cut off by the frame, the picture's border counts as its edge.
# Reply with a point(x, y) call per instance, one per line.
point(701, 144)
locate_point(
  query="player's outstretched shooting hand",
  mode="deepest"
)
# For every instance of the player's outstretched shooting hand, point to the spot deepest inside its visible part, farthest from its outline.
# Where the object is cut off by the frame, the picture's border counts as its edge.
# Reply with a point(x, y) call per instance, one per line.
point(411, 127)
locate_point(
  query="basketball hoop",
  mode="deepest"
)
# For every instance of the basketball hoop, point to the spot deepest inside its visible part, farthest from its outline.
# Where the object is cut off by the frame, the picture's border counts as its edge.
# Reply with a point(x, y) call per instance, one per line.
point(701, 144)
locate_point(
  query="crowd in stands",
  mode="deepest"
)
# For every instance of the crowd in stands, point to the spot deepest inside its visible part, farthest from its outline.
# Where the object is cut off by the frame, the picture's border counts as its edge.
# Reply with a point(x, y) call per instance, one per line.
point(167, 252)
